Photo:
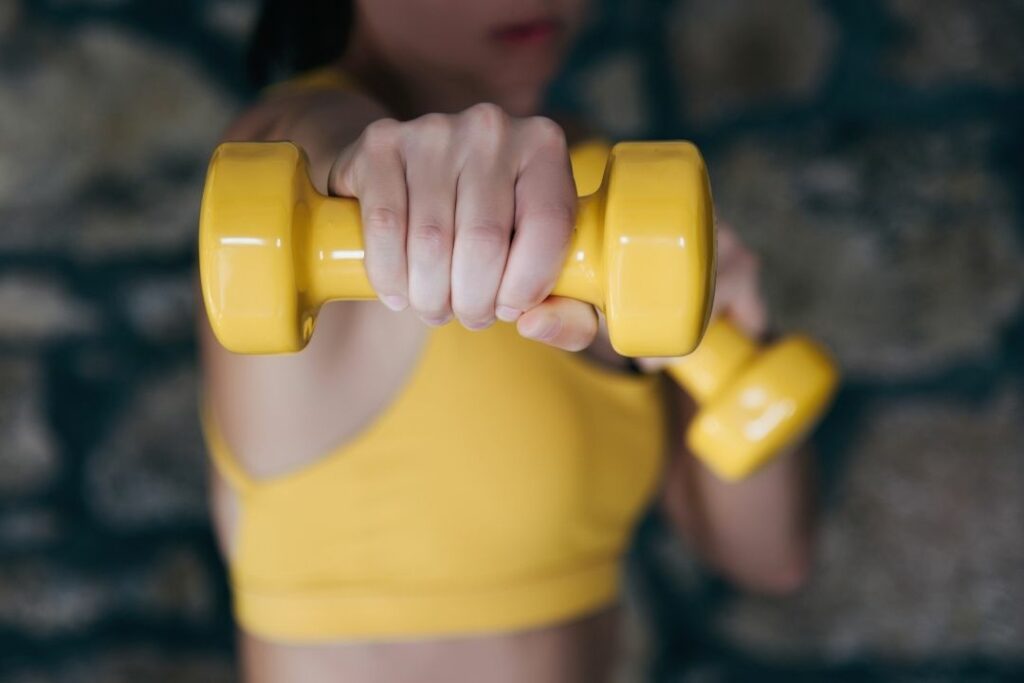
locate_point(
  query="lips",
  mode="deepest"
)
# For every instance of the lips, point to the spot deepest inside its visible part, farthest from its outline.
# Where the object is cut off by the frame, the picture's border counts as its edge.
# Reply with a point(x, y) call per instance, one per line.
point(533, 32)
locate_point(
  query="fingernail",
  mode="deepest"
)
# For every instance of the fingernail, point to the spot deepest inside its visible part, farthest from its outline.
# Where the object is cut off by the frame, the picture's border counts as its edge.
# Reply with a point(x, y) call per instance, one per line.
point(478, 326)
point(542, 328)
point(437, 321)
point(507, 313)
point(396, 302)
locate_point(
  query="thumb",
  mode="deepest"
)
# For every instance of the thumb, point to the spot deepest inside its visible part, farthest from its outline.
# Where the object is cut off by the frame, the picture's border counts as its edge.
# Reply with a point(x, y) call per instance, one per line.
point(567, 323)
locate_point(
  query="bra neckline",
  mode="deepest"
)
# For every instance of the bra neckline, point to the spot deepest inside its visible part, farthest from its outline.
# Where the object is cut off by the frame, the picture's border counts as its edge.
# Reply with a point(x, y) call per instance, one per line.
point(246, 483)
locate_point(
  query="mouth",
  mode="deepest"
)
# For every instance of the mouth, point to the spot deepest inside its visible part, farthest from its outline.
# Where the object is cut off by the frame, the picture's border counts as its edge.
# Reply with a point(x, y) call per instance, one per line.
point(528, 33)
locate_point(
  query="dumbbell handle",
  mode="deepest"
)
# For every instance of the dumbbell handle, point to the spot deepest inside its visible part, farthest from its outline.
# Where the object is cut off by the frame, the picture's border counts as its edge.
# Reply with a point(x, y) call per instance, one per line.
point(755, 402)
point(335, 253)
point(723, 352)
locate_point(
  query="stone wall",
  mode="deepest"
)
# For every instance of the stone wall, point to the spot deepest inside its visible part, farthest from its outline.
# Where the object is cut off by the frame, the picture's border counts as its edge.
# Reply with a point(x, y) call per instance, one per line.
point(869, 150)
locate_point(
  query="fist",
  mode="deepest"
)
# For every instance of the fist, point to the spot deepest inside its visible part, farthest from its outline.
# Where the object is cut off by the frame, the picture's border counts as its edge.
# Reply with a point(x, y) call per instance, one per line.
point(468, 215)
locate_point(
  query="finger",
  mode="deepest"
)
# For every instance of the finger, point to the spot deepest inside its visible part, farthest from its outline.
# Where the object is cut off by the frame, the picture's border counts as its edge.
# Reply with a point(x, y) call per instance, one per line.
point(728, 243)
point(484, 210)
point(738, 295)
point(748, 308)
point(545, 214)
point(560, 321)
point(372, 170)
point(431, 177)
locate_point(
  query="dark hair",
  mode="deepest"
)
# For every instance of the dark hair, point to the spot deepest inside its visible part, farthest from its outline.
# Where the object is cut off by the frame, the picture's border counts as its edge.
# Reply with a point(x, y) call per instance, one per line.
point(295, 35)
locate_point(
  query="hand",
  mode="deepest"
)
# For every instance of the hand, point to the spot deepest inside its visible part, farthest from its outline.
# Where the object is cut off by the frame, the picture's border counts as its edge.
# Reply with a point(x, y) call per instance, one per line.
point(468, 215)
point(737, 292)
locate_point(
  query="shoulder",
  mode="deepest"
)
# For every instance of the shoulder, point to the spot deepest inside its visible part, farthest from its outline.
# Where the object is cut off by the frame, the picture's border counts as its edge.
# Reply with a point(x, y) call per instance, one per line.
point(315, 95)
point(328, 77)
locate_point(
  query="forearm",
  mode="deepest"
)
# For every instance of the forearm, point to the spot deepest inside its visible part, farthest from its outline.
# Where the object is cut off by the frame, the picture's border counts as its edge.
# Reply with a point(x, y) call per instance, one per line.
point(757, 532)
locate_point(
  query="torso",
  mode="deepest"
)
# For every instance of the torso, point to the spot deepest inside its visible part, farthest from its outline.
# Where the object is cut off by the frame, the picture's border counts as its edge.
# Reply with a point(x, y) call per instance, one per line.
point(580, 652)
point(353, 385)
point(380, 353)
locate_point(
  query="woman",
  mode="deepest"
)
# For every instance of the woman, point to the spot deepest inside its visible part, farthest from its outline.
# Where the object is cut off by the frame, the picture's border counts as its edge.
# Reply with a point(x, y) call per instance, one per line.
point(440, 487)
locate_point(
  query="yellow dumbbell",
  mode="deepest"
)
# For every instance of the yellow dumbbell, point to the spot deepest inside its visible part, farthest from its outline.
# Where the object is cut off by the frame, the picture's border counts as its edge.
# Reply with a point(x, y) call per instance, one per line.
point(753, 403)
point(272, 249)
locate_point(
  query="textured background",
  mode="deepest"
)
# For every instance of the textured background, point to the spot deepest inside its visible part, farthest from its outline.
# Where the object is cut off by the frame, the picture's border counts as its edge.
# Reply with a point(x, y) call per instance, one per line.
point(870, 150)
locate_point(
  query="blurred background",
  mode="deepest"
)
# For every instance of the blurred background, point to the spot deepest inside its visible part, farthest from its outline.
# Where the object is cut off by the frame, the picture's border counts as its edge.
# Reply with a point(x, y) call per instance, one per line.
point(870, 151)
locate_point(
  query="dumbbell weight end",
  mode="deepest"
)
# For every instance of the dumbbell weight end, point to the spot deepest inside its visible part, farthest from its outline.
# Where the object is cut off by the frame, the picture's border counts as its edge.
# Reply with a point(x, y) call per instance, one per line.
point(753, 405)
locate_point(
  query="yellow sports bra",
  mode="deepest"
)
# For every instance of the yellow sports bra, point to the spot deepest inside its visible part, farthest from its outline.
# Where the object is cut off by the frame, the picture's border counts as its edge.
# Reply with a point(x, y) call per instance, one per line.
point(323, 78)
point(496, 492)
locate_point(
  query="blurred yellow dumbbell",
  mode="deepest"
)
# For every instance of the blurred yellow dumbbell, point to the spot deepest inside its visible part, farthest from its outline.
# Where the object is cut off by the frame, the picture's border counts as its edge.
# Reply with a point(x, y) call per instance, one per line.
point(272, 249)
point(753, 402)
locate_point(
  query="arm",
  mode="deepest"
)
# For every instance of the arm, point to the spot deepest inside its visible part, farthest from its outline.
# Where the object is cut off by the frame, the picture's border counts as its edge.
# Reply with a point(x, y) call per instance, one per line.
point(420, 251)
point(757, 532)
point(265, 405)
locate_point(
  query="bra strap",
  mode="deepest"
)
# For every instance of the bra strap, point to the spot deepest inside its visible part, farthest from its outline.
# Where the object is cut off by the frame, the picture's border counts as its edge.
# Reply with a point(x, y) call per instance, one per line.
point(328, 77)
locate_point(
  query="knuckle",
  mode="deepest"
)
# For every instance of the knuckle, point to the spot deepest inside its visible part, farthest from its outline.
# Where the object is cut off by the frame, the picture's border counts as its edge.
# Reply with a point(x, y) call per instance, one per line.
point(487, 116)
point(558, 219)
point(384, 275)
point(384, 243)
point(546, 133)
point(487, 233)
point(429, 239)
point(384, 222)
point(384, 246)
point(432, 125)
point(381, 134)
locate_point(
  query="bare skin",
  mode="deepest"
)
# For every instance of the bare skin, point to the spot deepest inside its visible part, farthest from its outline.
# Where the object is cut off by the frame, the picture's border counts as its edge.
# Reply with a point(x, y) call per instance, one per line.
point(280, 413)
point(580, 651)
